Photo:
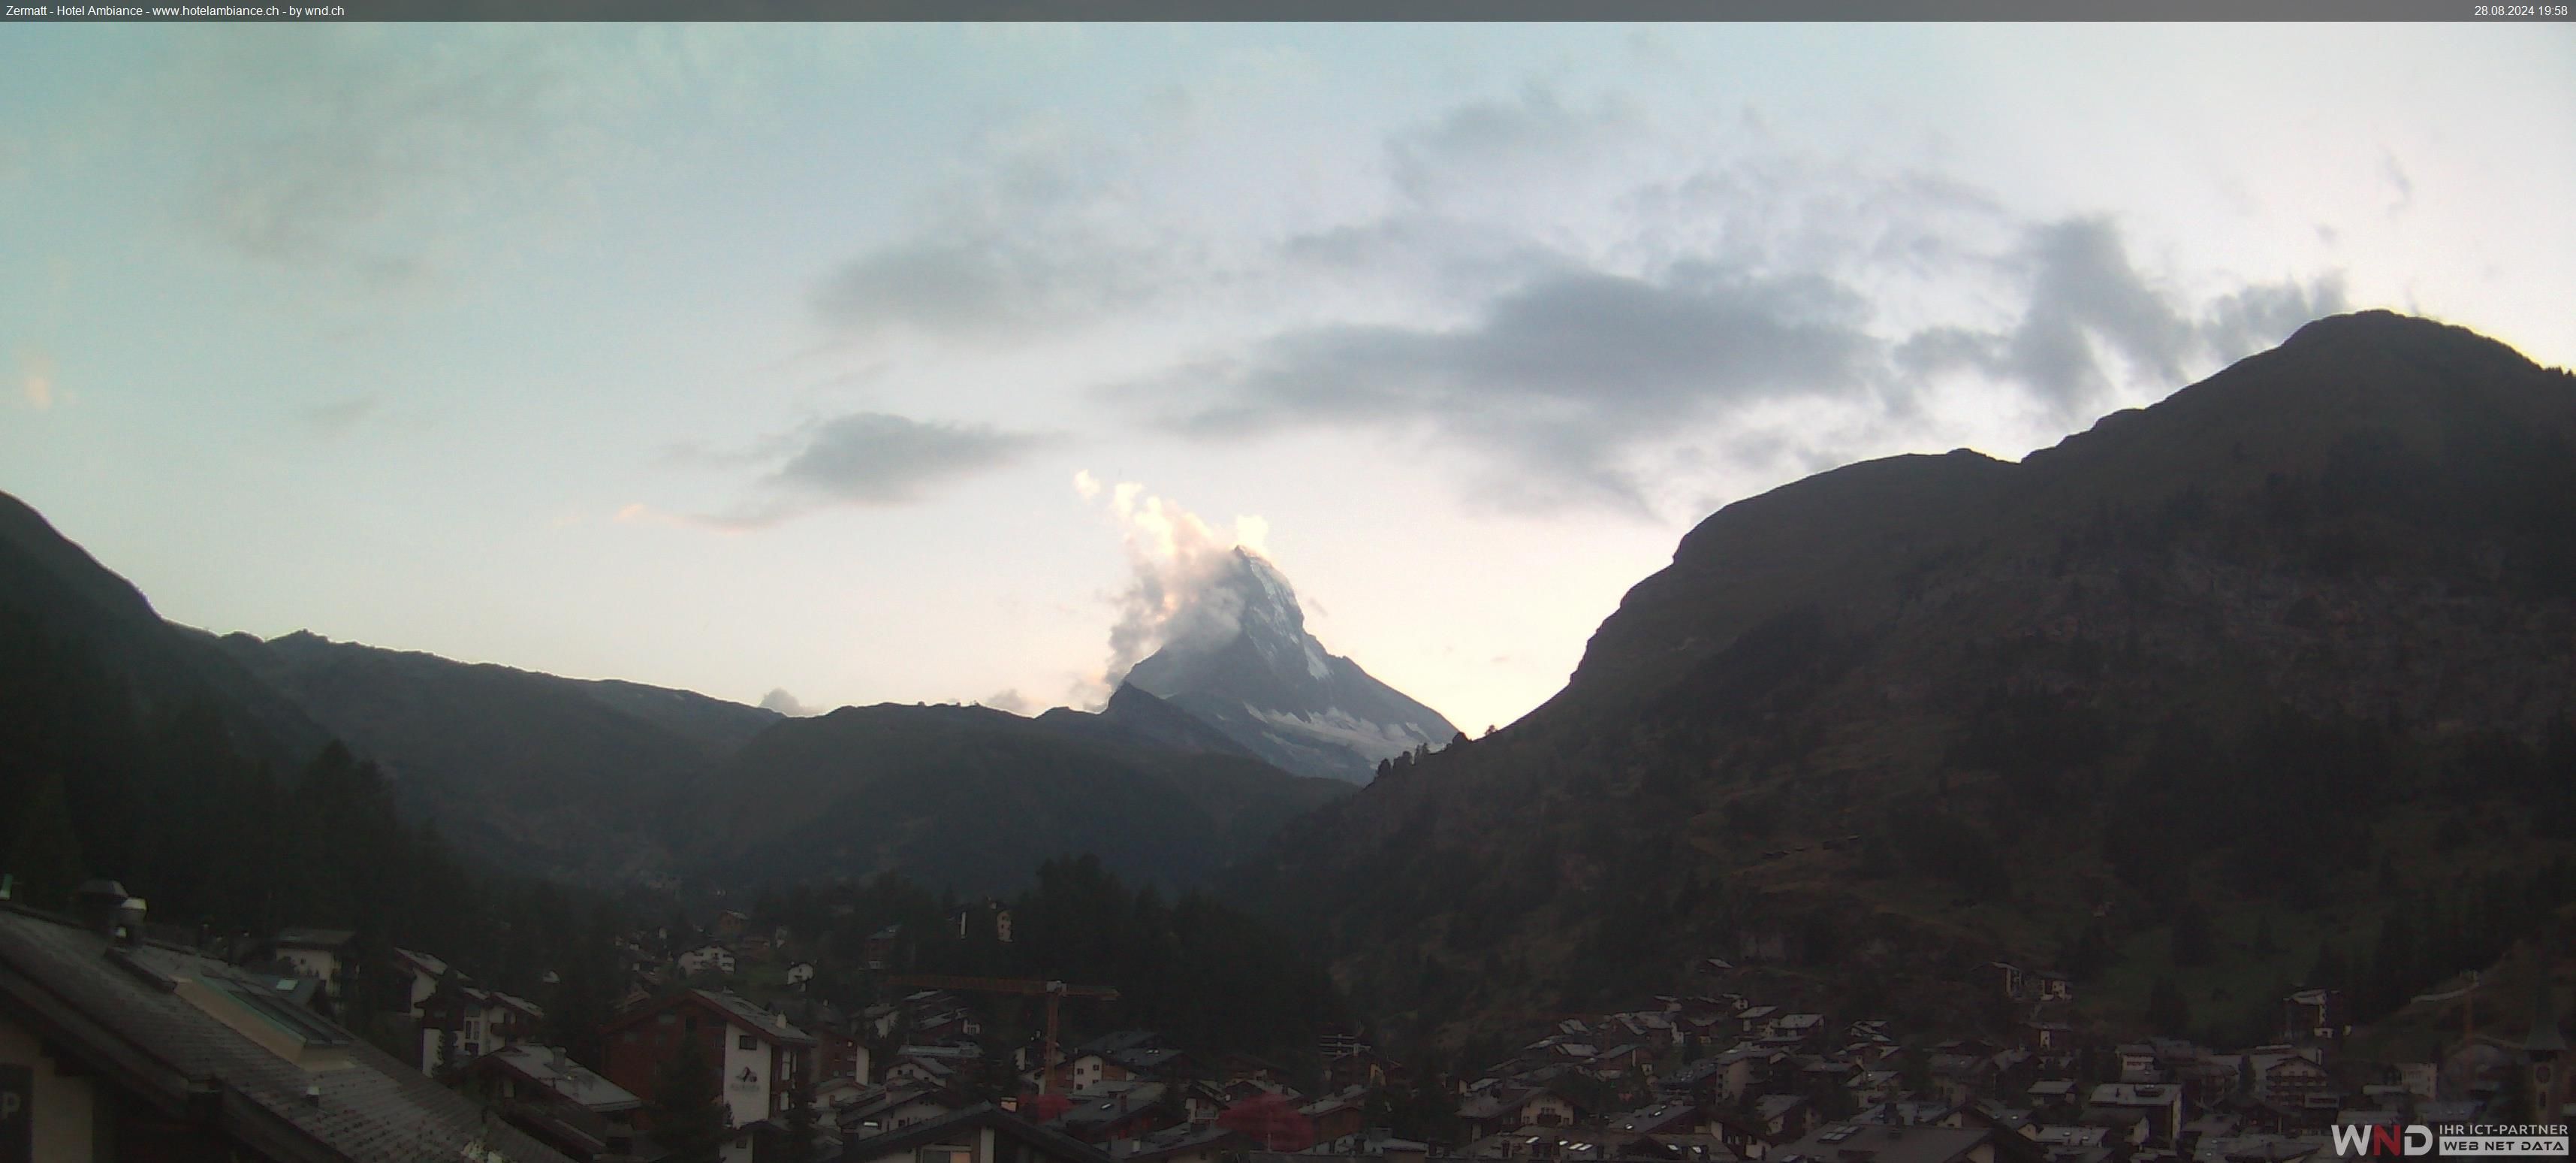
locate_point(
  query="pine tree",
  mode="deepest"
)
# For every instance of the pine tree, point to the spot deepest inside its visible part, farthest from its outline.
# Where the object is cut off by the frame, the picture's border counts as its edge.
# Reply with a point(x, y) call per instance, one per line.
point(799, 1147)
point(688, 1108)
point(46, 857)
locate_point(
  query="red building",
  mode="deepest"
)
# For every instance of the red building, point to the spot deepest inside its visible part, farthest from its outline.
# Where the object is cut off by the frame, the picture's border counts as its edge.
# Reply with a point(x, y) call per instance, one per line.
point(760, 1057)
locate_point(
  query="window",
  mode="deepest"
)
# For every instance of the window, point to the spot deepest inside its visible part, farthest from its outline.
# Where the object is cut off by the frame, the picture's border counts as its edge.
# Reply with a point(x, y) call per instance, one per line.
point(747, 1042)
point(947, 1155)
point(665, 1018)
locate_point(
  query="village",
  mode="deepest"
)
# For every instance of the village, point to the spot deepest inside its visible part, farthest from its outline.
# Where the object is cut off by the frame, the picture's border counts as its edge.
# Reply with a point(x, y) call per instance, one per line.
point(725, 1029)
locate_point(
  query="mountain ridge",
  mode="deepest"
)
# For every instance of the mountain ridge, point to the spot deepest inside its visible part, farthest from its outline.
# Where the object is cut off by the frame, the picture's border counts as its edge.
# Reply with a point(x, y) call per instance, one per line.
point(1271, 686)
point(1913, 714)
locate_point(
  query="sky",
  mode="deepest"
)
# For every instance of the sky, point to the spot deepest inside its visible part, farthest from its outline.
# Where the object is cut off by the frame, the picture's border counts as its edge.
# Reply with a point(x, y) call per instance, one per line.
point(852, 364)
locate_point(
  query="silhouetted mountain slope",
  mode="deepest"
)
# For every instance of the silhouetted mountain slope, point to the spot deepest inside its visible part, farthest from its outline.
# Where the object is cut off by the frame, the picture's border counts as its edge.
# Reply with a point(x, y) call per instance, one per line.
point(2285, 658)
point(549, 775)
point(1270, 686)
point(1136, 719)
point(53, 589)
point(974, 799)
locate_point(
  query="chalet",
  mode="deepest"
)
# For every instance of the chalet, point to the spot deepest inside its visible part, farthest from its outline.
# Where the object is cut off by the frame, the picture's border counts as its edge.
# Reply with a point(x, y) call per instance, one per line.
point(730, 923)
point(2052, 1092)
point(978, 1134)
point(562, 1103)
point(1784, 1116)
point(838, 1052)
point(460, 1023)
point(116, 1046)
point(1122, 1114)
point(2138, 1064)
point(321, 954)
point(706, 959)
point(425, 973)
point(1241, 1067)
point(877, 952)
point(800, 972)
point(2161, 1105)
point(1335, 1117)
point(831, 1094)
point(920, 1069)
point(1202, 1101)
point(1795, 1029)
point(759, 1058)
point(2313, 1017)
point(878, 1110)
point(1503, 1108)
point(2292, 1081)
point(2041, 1037)
point(2125, 1128)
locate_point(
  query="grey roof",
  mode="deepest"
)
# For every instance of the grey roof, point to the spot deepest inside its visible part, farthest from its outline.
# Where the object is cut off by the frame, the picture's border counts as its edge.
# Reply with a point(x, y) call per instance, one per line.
point(547, 1067)
point(768, 1025)
point(1111, 1111)
point(124, 1013)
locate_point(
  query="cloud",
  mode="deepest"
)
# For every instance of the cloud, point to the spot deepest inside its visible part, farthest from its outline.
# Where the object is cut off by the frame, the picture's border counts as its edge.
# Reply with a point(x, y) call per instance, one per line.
point(863, 459)
point(1010, 700)
point(2083, 298)
point(787, 704)
point(1564, 375)
point(1464, 150)
point(1178, 565)
point(36, 379)
point(1041, 226)
point(337, 417)
point(371, 152)
point(987, 286)
point(2395, 175)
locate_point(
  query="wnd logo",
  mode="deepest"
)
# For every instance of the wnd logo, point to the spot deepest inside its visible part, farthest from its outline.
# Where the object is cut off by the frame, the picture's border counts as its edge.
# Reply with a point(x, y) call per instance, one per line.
point(2351, 1139)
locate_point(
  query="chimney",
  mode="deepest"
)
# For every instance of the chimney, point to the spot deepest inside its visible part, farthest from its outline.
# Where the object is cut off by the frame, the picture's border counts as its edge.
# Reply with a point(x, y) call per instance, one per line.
point(129, 921)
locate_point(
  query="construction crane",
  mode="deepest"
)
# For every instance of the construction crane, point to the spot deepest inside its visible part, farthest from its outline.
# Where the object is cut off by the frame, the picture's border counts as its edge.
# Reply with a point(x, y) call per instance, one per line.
point(1053, 991)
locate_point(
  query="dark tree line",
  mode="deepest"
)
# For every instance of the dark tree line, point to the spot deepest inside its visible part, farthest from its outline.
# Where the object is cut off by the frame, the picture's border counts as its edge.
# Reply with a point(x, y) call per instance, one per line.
point(1202, 972)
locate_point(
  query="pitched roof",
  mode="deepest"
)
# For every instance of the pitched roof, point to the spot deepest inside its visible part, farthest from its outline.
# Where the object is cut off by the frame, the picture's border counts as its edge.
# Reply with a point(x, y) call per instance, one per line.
point(144, 1019)
point(734, 1010)
point(547, 1067)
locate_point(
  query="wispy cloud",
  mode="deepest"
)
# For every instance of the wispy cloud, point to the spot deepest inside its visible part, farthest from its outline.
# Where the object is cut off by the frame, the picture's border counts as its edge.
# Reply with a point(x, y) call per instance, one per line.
point(2083, 298)
point(1560, 377)
point(863, 460)
point(338, 417)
